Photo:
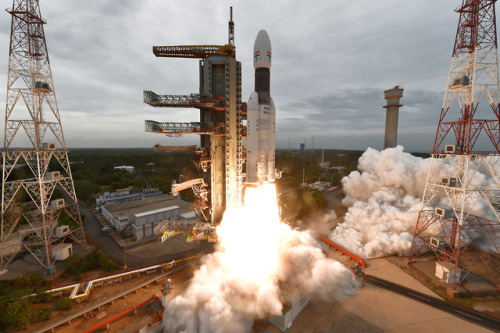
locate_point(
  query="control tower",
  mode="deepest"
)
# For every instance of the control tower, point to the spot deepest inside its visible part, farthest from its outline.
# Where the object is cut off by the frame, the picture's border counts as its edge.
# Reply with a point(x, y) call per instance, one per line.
point(220, 154)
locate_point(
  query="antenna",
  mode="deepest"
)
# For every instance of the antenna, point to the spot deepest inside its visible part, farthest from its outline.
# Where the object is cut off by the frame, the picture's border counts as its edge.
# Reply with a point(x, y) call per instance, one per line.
point(231, 27)
point(304, 174)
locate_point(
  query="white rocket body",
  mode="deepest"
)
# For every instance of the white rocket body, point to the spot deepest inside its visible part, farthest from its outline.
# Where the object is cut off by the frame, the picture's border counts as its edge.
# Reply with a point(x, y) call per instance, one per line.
point(261, 117)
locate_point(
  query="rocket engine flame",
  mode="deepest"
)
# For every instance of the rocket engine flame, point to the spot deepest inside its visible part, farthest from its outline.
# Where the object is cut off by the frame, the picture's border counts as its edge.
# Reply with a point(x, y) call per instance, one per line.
point(242, 280)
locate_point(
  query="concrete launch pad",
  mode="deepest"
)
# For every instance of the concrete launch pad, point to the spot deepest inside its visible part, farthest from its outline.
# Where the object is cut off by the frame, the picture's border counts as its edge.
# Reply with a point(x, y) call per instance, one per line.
point(392, 313)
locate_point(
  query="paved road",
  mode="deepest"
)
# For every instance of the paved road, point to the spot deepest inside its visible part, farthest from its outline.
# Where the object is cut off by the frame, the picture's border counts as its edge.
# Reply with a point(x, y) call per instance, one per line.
point(466, 314)
point(108, 245)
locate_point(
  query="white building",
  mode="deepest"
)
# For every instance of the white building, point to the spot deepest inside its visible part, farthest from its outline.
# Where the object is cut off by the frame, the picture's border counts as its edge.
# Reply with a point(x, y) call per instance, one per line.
point(139, 218)
point(338, 169)
point(325, 166)
point(293, 305)
point(121, 196)
point(445, 271)
point(144, 223)
point(320, 185)
point(62, 251)
point(117, 197)
point(127, 168)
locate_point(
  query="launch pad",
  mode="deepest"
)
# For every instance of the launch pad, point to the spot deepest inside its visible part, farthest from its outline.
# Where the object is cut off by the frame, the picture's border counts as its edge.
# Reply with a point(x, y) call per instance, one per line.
point(220, 153)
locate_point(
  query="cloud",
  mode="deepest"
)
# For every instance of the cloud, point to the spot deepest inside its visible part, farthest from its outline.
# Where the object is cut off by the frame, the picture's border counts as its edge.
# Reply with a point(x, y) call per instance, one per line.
point(330, 58)
point(356, 118)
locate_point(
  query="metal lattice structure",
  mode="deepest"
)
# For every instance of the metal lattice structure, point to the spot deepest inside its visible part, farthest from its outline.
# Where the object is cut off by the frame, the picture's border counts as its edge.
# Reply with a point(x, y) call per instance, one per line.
point(32, 120)
point(178, 129)
point(464, 224)
point(194, 51)
point(221, 119)
point(181, 101)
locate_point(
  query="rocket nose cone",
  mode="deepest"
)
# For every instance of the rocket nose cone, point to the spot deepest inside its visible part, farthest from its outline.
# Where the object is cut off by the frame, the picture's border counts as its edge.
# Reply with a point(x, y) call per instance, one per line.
point(262, 50)
point(262, 41)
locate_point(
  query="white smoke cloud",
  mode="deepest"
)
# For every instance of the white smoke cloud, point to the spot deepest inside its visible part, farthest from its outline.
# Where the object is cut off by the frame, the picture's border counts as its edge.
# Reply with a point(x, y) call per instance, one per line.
point(256, 257)
point(383, 225)
point(385, 198)
point(320, 225)
point(391, 169)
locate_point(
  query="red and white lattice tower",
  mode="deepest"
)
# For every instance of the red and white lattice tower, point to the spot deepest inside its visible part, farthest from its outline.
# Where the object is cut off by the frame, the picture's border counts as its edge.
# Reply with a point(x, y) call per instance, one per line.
point(460, 218)
point(33, 217)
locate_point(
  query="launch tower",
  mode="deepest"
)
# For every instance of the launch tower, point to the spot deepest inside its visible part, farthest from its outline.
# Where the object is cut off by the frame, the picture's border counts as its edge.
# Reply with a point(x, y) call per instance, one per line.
point(31, 213)
point(220, 154)
point(464, 223)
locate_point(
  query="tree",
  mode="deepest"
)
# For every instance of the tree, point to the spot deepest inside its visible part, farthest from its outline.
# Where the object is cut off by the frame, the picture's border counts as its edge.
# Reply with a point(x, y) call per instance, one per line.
point(32, 281)
point(320, 199)
point(74, 264)
point(18, 313)
point(85, 189)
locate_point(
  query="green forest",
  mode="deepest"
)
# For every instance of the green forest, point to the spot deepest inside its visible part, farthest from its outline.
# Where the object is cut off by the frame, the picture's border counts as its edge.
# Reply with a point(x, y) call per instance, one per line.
point(94, 173)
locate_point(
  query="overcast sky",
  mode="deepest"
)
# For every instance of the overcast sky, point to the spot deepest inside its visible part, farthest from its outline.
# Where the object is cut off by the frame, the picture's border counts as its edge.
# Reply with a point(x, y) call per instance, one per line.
point(332, 60)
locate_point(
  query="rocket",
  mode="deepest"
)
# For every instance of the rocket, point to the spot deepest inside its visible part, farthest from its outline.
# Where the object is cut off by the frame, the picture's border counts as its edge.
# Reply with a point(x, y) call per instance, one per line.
point(261, 117)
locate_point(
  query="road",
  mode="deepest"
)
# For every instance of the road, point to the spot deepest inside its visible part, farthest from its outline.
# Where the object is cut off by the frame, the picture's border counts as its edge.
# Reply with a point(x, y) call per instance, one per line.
point(108, 245)
point(466, 314)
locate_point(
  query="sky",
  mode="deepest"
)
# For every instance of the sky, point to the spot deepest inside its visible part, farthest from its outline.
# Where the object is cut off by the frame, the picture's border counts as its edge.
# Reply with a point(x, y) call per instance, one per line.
point(332, 61)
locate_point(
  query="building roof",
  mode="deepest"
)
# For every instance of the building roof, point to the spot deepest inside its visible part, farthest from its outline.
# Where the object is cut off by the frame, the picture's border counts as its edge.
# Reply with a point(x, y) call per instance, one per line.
point(61, 246)
point(188, 215)
point(147, 205)
point(149, 212)
point(447, 265)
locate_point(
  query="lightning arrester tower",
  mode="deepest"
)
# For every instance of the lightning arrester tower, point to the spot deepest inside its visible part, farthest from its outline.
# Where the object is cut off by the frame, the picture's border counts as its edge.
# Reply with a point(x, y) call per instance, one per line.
point(31, 214)
point(460, 218)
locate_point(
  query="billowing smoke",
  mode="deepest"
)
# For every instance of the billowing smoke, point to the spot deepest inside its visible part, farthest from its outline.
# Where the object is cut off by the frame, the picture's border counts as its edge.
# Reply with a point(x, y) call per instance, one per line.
point(384, 201)
point(391, 169)
point(257, 261)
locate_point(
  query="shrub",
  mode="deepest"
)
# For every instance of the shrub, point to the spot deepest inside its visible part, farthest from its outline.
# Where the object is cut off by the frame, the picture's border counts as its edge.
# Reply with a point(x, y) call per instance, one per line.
point(107, 263)
point(320, 199)
point(43, 313)
point(42, 297)
point(77, 265)
point(74, 264)
point(65, 304)
point(100, 260)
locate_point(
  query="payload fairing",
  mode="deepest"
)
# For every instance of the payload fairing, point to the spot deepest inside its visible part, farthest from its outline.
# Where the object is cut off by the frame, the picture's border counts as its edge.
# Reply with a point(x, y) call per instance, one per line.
point(261, 117)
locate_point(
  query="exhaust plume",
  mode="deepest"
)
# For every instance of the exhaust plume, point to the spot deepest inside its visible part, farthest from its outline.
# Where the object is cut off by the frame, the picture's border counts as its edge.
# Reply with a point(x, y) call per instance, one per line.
point(256, 257)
